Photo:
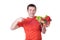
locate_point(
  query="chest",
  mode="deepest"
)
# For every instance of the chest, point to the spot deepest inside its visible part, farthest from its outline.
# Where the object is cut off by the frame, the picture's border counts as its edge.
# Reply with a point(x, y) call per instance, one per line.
point(32, 24)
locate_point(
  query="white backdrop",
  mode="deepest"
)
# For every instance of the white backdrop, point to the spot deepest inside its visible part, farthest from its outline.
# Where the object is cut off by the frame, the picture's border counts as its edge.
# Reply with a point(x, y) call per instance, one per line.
point(10, 10)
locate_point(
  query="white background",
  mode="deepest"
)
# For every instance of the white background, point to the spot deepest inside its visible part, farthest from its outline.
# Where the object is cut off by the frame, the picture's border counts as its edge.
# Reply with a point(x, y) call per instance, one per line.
point(10, 10)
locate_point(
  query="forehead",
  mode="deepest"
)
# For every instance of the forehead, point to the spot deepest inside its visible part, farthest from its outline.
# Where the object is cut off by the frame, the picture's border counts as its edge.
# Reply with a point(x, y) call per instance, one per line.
point(32, 7)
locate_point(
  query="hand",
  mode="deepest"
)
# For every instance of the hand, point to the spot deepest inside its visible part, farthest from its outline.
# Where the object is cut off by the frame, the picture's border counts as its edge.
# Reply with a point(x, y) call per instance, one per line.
point(43, 30)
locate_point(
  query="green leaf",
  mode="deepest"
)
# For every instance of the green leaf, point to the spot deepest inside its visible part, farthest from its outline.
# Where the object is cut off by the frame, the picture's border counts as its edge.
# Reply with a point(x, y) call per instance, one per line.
point(38, 18)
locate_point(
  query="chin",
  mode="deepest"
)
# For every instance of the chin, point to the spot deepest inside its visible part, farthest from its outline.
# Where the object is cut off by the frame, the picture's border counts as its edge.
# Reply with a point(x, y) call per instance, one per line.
point(32, 15)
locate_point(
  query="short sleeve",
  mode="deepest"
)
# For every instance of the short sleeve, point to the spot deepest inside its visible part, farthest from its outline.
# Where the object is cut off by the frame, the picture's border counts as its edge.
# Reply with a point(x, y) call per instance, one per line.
point(20, 24)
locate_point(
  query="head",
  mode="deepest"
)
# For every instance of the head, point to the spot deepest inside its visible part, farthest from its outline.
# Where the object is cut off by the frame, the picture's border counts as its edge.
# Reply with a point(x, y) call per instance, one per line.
point(31, 9)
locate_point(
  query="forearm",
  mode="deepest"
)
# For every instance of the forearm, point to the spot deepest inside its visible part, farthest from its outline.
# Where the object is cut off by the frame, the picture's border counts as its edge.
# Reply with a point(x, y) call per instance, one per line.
point(43, 30)
point(14, 25)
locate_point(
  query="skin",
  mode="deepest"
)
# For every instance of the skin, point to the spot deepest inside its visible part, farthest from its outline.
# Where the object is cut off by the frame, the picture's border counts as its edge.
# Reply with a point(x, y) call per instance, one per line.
point(31, 12)
point(14, 25)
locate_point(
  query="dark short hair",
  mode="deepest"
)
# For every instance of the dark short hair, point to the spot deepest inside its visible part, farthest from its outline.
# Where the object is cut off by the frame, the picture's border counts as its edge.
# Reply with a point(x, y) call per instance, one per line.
point(31, 5)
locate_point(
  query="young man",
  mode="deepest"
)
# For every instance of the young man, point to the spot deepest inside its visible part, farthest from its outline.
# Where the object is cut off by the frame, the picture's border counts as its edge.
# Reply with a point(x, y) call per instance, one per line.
point(33, 25)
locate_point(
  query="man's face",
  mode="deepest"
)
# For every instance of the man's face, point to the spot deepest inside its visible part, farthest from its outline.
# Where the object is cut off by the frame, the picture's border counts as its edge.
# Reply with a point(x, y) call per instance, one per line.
point(31, 11)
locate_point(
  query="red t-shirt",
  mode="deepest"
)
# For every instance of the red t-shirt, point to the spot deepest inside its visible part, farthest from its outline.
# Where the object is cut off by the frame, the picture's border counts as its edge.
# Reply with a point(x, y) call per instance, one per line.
point(32, 28)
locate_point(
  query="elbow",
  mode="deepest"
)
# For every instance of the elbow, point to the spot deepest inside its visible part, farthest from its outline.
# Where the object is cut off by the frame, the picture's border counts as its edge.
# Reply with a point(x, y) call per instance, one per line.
point(12, 28)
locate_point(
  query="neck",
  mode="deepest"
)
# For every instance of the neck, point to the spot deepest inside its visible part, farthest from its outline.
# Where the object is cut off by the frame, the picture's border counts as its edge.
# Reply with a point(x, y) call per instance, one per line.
point(31, 16)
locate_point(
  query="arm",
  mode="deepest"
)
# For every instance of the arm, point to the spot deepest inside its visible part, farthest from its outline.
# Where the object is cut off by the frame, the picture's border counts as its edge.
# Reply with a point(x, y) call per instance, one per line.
point(45, 23)
point(14, 25)
point(44, 29)
point(43, 26)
